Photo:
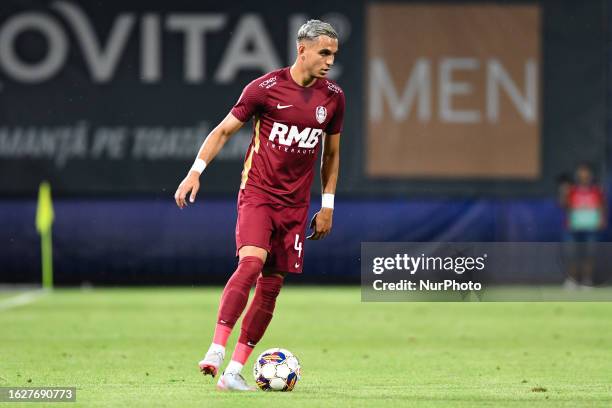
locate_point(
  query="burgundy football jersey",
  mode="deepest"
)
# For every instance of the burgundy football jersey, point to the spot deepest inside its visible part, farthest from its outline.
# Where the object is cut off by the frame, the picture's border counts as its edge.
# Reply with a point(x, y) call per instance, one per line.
point(289, 121)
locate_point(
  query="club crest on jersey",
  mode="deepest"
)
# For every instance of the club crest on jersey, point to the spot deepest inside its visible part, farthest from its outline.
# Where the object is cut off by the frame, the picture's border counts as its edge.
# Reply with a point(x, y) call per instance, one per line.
point(321, 114)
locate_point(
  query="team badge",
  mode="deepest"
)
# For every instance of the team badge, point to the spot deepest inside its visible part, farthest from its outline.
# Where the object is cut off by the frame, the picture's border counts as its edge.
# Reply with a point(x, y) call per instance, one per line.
point(321, 114)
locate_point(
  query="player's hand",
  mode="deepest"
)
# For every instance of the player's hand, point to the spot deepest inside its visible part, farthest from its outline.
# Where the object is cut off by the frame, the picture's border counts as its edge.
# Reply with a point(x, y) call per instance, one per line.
point(321, 224)
point(191, 183)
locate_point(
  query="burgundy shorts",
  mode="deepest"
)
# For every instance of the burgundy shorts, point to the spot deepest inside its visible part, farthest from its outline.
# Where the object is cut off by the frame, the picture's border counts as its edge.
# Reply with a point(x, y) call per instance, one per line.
point(278, 229)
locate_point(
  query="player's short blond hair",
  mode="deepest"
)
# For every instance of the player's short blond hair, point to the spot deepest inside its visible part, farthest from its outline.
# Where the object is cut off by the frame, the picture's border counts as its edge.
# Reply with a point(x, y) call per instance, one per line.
point(312, 29)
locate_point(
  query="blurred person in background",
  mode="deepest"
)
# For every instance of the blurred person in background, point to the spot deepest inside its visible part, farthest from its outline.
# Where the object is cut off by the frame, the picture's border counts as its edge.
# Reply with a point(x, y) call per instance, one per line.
point(584, 202)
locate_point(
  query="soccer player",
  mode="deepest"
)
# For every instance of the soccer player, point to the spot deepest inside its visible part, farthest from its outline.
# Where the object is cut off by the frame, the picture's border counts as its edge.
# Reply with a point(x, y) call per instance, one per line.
point(294, 110)
point(586, 217)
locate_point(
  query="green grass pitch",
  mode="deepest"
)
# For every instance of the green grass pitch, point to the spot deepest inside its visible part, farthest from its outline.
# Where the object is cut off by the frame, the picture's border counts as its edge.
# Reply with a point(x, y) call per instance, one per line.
point(140, 347)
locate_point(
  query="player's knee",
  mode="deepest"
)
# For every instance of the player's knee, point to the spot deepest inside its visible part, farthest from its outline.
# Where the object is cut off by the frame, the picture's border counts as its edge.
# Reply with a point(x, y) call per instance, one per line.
point(248, 269)
point(252, 251)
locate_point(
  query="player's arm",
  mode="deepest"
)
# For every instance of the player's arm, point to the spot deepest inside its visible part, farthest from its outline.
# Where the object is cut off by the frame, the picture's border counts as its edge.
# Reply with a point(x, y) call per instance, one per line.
point(563, 194)
point(330, 164)
point(604, 211)
point(209, 149)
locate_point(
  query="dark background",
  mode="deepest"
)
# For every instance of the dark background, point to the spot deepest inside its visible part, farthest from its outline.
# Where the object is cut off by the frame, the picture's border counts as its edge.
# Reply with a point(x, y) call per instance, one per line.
point(115, 218)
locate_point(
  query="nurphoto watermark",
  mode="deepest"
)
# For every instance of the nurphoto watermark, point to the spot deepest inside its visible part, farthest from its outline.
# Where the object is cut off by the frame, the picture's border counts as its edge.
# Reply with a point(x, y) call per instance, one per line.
point(485, 271)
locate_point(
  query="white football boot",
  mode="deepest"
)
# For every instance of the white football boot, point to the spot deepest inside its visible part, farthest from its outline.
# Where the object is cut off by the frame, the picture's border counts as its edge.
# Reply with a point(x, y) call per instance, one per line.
point(233, 382)
point(211, 362)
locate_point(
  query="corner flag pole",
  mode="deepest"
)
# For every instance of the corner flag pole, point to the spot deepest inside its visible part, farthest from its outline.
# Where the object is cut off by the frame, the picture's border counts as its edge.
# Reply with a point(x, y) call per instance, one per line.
point(44, 222)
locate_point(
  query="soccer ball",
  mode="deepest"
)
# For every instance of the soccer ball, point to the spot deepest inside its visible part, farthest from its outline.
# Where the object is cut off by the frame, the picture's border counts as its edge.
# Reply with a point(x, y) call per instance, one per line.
point(276, 369)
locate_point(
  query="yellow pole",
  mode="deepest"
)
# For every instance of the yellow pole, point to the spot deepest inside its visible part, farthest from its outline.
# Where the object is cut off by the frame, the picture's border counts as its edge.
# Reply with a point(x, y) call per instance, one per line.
point(44, 223)
point(46, 251)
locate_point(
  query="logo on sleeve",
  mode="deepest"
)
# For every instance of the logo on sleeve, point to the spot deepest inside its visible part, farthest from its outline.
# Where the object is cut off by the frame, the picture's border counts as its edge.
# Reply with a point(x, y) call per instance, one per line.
point(333, 87)
point(321, 114)
point(268, 83)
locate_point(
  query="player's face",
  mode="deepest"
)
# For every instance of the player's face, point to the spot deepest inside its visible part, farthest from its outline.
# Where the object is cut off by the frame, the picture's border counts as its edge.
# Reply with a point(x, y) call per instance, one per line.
point(319, 55)
point(584, 175)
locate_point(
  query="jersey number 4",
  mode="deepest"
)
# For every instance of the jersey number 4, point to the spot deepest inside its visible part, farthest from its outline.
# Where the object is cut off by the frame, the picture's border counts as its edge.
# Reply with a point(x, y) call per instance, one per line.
point(298, 245)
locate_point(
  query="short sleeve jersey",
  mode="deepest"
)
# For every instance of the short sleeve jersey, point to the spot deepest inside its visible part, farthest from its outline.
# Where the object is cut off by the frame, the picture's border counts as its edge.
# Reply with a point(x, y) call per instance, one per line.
point(289, 122)
point(585, 208)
